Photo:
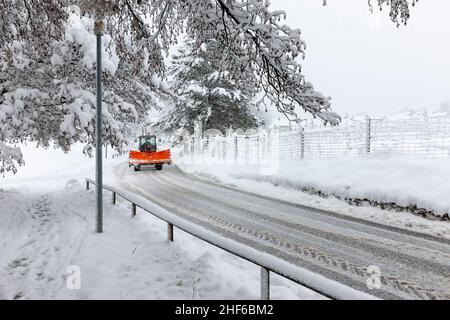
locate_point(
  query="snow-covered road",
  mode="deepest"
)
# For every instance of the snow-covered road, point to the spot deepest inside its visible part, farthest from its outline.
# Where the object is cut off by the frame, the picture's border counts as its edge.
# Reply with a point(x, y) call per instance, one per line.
point(412, 265)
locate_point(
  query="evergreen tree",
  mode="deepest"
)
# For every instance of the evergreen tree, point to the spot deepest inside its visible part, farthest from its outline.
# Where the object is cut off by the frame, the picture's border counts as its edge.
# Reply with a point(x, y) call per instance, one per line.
point(207, 93)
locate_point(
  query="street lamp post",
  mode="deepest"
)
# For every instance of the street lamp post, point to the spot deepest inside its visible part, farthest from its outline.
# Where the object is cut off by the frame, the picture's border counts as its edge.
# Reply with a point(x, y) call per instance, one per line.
point(99, 29)
point(100, 9)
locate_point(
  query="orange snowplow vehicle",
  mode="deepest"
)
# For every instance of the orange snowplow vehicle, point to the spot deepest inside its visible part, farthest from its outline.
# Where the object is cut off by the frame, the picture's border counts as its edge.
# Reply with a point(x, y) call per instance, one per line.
point(147, 155)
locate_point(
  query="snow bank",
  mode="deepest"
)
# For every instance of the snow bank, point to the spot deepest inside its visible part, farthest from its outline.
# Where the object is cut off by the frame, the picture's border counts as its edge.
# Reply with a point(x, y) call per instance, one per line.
point(384, 178)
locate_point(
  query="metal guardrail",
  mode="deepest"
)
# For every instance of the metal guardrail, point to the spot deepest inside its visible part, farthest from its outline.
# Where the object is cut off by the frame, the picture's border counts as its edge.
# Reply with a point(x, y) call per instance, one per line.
point(268, 263)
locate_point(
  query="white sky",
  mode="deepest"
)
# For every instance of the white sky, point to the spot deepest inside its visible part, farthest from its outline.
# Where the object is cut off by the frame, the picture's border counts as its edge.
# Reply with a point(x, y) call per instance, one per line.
point(365, 63)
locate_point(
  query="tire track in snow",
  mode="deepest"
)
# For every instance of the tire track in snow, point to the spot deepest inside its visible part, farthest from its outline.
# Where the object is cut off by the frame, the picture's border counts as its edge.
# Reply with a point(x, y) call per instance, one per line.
point(176, 192)
point(268, 235)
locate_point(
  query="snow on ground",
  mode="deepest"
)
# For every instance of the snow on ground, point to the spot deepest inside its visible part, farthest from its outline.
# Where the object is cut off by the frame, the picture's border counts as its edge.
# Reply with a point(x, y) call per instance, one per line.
point(47, 225)
point(386, 178)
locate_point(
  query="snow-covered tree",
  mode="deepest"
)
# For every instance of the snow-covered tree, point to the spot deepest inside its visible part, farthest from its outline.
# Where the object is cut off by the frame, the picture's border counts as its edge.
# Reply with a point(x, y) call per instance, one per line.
point(46, 72)
point(207, 94)
point(50, 97)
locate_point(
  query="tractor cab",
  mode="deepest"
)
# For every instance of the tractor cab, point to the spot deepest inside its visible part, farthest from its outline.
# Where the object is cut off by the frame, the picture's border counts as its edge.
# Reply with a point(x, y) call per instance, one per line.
point(148, 154)
point(147, 144)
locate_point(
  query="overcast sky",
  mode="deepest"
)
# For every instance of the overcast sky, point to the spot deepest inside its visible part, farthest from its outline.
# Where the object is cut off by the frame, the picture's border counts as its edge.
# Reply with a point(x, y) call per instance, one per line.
point(365, 63)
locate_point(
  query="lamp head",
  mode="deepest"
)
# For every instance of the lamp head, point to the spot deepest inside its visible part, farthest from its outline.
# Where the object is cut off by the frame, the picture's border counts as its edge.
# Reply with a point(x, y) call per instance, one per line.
point(99, 8)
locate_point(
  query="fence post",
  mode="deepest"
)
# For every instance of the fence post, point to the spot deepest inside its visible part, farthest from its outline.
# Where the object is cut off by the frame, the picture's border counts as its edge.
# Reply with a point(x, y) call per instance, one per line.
point(87, 185)
point(368, 134)
point(224, 150)
point(302, 143)
point(265, 284)
point(133, 210)
point(114, 198)
point(235, 149)
point(247, 150)
point(170, 232)
point(258, 151)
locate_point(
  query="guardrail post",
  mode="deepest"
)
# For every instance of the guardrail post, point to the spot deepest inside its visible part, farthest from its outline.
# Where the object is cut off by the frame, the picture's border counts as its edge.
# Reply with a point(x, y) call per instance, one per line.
point(302, 143)
point(133, 210)
point(170, 232)
point(114, 196)
point(87, 185)
point(265, 284)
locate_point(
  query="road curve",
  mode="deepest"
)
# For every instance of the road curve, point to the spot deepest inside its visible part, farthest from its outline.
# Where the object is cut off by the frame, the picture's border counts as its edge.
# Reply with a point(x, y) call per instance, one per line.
point(413, 266)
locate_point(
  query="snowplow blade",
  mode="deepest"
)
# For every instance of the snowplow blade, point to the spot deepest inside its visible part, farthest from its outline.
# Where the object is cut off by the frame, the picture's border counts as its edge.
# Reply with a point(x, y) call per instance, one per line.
point(138, 158)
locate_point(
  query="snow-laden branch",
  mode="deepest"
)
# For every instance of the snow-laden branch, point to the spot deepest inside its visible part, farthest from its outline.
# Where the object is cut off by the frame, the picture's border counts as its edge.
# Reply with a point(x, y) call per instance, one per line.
point(257, 40)
point(399, 9)
point(10, 157)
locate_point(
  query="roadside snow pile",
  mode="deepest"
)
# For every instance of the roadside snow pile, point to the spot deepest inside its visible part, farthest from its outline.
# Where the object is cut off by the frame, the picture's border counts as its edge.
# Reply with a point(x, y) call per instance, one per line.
point(420, 185)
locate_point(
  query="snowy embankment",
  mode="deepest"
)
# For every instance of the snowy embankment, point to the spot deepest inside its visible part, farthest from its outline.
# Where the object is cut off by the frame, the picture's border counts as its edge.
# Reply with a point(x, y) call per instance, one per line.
point(397, 183)
point(47, 225)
